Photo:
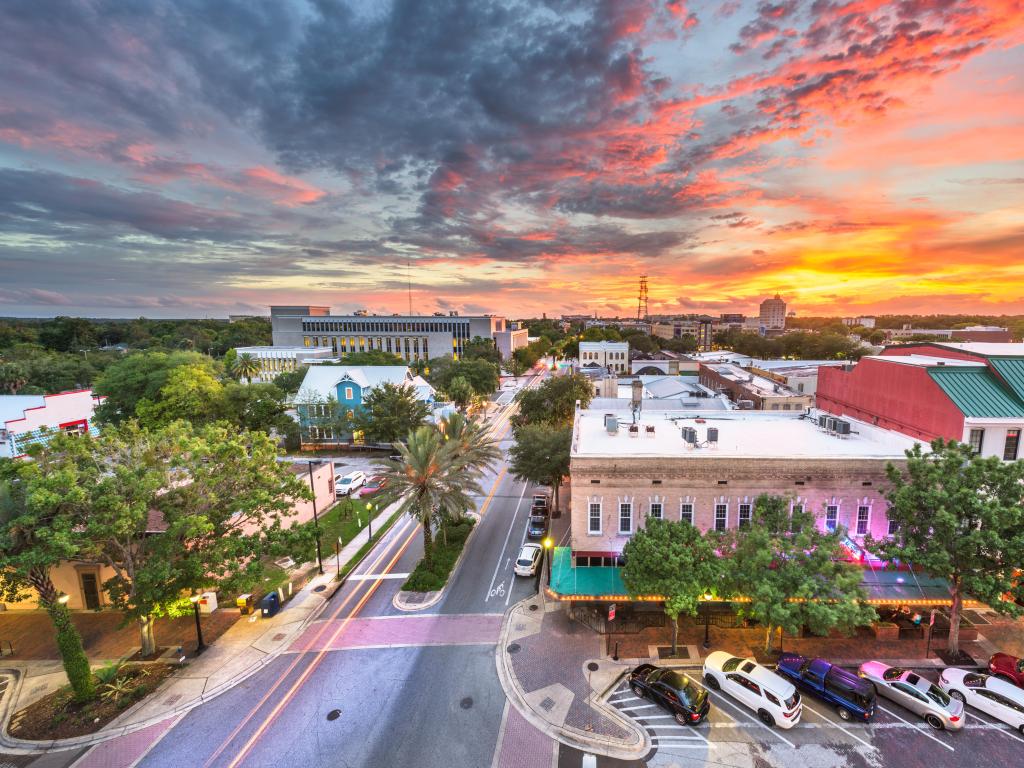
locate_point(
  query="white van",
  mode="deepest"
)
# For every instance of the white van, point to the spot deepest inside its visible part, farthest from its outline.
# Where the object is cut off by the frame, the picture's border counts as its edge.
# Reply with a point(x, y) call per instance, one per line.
point(344, 485)
point(773, 698)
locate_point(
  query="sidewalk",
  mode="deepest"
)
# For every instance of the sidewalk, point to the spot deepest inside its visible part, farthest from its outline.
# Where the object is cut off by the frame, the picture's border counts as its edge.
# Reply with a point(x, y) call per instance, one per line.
point(246, 647)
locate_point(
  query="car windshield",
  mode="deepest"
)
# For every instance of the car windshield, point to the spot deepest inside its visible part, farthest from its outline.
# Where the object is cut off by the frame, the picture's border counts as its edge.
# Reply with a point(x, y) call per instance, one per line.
point(938, 695)
point(731, 664)
point(893, 673)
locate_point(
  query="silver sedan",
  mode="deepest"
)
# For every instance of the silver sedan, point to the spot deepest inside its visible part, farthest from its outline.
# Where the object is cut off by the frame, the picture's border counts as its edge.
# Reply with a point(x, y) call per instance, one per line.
point(915, 693)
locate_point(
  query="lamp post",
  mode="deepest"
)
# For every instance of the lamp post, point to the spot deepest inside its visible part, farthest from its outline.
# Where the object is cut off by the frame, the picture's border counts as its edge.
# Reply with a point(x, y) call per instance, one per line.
point(316, 522)
point(63, 599)
point(707, 619)
point(200, 645)
point(369, 519)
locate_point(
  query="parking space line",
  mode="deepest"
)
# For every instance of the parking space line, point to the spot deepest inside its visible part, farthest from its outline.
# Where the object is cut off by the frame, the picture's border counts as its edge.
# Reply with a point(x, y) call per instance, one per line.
point(626, 698)
point(675, 745)
point(756, 721)
point(917, 728)
point(639, 706)
point(996, 725)
point(837, 725)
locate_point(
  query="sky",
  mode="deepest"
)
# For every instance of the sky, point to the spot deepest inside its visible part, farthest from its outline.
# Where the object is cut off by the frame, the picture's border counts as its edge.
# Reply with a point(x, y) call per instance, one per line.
point(194, 159)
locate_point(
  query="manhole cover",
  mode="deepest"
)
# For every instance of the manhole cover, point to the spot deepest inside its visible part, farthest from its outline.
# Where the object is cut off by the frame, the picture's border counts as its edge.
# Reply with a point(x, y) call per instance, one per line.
point(334, 714)
point(320, 588)
point(513, 648)
point(533, 607)
point(593, 666)
point(548, 704)
point(466, 703)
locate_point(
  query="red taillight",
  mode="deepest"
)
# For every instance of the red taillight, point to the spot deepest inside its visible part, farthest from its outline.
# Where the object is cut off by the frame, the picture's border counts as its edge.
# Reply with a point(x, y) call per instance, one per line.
point(695, 717)
point(954, 718)
point(789, 714)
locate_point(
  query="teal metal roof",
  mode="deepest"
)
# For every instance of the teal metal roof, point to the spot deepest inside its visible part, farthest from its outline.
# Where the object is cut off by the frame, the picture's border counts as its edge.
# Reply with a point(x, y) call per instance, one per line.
point(976, 392)
point(589, 581)
point(1012, 371)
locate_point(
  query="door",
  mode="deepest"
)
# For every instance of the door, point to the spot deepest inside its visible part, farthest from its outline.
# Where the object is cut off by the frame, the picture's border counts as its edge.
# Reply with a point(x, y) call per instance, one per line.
point(911, 698)
point(90, 590)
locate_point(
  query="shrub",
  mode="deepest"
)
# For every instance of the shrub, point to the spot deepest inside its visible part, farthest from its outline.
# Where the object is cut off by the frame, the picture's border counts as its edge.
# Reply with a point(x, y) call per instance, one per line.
point(430, 578)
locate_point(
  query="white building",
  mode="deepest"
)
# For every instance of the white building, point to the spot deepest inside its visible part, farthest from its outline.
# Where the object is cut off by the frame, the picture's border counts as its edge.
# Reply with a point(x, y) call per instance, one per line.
point(277, 360)
point(612, 355)
point(864, 321)
point(773, 314)
point(25, 418)
point(509, 340)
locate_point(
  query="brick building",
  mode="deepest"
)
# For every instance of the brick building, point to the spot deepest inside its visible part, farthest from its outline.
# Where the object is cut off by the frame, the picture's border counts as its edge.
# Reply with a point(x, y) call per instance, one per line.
point(750, 390)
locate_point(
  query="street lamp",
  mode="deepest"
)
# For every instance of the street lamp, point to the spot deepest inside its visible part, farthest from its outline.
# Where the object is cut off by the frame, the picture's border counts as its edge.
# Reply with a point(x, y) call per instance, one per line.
point(316, 522)
point(707, 619)
point(63, 599)
point(369, 519)
point(200, 645)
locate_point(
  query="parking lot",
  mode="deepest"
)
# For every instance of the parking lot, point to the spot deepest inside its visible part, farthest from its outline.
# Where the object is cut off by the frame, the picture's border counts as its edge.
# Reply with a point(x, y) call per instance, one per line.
point(732, 735)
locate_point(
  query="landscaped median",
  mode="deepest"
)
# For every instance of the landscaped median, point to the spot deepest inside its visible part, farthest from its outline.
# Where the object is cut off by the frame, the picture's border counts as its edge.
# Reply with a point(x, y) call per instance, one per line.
point(425, 585)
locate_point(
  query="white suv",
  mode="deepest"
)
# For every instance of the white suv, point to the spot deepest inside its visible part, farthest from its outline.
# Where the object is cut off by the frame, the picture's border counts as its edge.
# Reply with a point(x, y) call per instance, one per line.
point(345, 484)
point(772, 697)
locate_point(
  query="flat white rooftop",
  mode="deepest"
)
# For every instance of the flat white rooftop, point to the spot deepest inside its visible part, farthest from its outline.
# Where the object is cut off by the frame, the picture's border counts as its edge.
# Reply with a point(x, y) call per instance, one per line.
point(761, 385)
point(987, 348)
point(285, 350)
point(741, 434)
point(926, 361)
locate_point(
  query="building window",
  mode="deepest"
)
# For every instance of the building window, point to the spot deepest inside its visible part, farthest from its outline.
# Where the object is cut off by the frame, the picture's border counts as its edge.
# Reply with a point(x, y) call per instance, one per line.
point(656, 510)
point(977, 440)
point(831, 517)
point(686, 512)
point(625, 517)
point(721, 516)
point(744, 518)
point(348, 393)
point(893, 527)
point(1011, 445)
point(862, 520)
point(594, 519)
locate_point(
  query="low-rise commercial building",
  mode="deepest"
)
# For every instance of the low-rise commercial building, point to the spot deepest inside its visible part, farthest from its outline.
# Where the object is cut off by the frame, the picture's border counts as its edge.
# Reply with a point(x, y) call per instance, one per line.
point(274, 361)
point(664, 361)
point(509, 340)
point(611, 355)
point(28, 419)
point(750, 390)
point(970, 392)
point(992, 334)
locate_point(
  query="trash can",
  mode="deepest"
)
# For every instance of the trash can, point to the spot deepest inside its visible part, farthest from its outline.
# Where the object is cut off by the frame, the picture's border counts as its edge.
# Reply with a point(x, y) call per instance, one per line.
point(270, 605)
point(246, 604)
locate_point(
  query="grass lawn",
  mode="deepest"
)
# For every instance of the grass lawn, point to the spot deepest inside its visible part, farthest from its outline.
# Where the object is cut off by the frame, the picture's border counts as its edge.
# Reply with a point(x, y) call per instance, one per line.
point(433, 577)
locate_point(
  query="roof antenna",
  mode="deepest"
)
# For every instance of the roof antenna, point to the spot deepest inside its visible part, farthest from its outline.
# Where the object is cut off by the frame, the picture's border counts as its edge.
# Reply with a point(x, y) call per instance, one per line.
point(408, 277)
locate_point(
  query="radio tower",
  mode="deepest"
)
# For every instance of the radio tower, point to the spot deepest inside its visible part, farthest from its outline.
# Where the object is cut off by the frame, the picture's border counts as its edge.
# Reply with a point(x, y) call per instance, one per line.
point(641, 302)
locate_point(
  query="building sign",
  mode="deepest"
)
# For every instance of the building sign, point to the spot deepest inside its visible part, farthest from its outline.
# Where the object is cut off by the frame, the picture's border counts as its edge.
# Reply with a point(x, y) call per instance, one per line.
point(611, 612)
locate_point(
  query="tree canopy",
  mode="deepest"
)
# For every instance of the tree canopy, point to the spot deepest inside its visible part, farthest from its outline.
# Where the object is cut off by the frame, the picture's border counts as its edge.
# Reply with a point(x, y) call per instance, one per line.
point(960, 517)
point(540, 454)
point(141, 377)
point(554, 401)
point(389, 413)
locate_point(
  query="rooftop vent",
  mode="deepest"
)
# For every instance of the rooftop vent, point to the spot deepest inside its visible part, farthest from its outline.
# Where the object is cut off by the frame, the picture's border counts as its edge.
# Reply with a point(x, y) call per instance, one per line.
point(611, 423)
point(649, 430)
point(634, 430)
point(712, 435)
point(841, 427)
point(690, 436)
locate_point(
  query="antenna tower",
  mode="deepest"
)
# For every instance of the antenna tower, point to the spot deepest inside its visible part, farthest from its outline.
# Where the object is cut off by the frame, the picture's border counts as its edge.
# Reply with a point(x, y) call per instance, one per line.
point(641, 302)
point(408, 278)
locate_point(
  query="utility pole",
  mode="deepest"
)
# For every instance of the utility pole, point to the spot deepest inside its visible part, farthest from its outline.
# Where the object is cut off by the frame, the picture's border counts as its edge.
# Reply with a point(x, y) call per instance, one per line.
point(316, 521)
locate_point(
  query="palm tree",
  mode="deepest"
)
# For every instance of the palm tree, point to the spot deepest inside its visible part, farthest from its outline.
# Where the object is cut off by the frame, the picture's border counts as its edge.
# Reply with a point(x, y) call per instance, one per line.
point(476, 450)
point(12, 377)
point(246, 367)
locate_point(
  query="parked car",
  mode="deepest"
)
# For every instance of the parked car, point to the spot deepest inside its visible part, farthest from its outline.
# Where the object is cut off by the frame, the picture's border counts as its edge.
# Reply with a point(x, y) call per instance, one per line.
point(528, 560)
point(853, 697)
point(920, 696)
point(687, 700)
point(992, 695)
point(537, 528)
point(1007, 667)
point(374, 484)
point(541, 501)
point(774, 699)
point(345, 484)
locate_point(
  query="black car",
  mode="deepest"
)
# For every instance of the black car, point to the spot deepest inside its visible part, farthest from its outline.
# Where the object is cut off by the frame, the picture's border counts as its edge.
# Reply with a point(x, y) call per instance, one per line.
point(537, 527)
point(674, 690)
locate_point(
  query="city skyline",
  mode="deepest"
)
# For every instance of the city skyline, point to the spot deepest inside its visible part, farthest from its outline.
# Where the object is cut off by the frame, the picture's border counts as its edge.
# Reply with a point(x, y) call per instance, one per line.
point(204, 159)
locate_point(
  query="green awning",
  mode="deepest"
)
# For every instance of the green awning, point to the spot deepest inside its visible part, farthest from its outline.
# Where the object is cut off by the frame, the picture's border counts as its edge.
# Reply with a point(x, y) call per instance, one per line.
point(978, 393)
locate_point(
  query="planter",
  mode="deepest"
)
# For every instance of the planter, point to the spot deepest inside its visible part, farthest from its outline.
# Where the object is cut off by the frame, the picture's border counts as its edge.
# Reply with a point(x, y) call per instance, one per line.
point(886, 632)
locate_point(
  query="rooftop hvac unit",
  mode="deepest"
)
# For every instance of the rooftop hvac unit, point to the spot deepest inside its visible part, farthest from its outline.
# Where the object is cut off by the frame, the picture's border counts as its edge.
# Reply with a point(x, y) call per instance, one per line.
point(830, 424)
point(611, 423)
point(745, 405)
point(690, 435)
point(712, 434)
point(823, 421)
point(841, 427)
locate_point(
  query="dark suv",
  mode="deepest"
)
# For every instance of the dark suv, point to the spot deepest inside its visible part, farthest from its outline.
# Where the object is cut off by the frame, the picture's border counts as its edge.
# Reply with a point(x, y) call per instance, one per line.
point(674, 690)
point(537, 528)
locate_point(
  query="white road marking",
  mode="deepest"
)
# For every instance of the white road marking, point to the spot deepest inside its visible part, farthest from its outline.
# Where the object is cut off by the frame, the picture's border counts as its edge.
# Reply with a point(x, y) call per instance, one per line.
point(917, 728)
point(852, 735)
point(640, 706)
point(994, 725)
point(756, 721)
point(376, 576)
point(626, 698)
point(497, 565)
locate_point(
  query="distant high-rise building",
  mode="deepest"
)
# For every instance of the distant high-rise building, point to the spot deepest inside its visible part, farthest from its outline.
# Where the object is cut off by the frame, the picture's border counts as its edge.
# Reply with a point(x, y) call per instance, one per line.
point(773, 314)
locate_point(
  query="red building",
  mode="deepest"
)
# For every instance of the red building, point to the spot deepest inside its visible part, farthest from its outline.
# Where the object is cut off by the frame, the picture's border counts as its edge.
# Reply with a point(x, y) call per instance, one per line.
point(971, 392)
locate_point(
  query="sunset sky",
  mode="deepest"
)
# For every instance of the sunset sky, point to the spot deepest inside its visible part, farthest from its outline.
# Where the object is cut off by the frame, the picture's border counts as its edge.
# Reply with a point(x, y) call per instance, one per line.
point(183, 159)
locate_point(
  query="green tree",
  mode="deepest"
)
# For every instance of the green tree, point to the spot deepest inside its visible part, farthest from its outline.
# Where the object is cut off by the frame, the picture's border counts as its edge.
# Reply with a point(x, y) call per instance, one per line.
point(389, 412)
point(37, 535)
point(792, 572)
point(554, 401)
point(12, 377)
point(540, 454)
point(673, 560)
point(516, 367)
point(476, 449)
point(479, 348)
point(246, 367)
point(290, 381)
point(371, 357)
point(66, 334)
point(191, 393)
point(431, 480)
point(256, 407)
point(139, 377)
point(959, 517)
point(460, 391)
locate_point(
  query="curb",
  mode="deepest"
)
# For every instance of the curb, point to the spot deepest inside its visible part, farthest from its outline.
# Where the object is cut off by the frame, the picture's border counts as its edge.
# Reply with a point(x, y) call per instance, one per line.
point(572, 737)
point(399, 602)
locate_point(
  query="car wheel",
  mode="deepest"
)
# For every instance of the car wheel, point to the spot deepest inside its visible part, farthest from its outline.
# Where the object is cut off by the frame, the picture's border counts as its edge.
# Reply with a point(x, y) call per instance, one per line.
point(682, 718)
point(1021, 729)
point(712, 682)
point(958, 696)
point(638, 691)
point(844, 713)
point(766, 718)
point(934, 722)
